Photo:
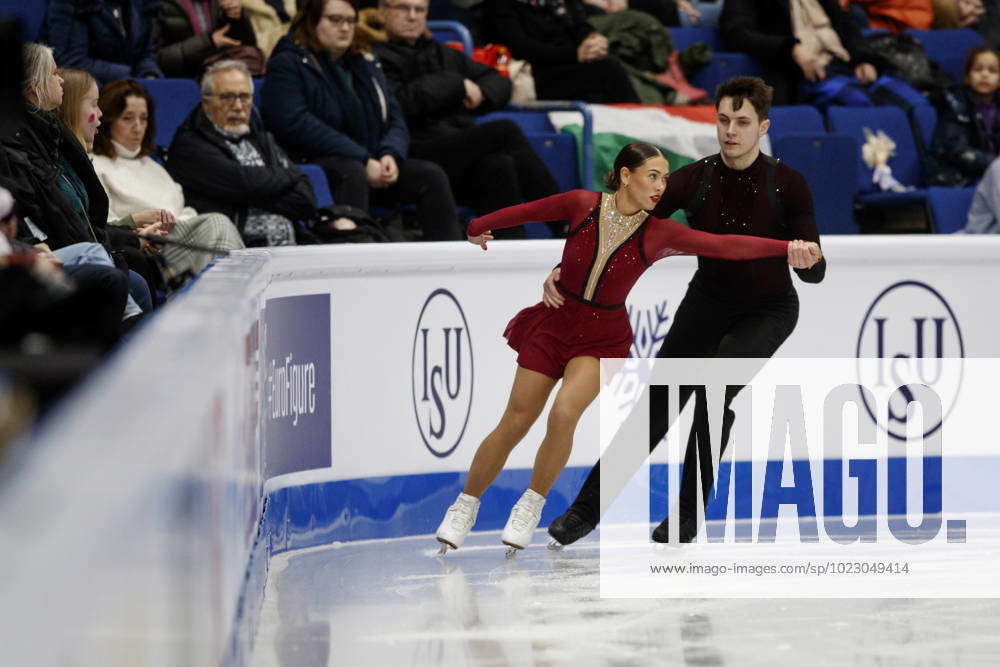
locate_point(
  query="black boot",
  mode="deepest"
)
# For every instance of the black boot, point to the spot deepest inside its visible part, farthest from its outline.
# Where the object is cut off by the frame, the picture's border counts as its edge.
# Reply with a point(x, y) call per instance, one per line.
point(569, 527)
point(688, 531)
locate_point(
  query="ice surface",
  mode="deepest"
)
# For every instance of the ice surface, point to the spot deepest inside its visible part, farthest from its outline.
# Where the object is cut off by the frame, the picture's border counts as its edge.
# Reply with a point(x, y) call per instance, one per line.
point(393, 602)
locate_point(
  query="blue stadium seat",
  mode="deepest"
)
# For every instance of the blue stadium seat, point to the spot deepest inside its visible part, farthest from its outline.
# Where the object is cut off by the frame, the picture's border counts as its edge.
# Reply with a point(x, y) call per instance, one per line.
point(949, 207)
point(558, 150)
point(320, 185)
point(905, 162)
point(685, 37)
point(795, 119)
point(31, 13)
point(724, 66)
point(531, 122)
point(451, 31)
point(948, 47)
point(827, 162)
point(175, 99)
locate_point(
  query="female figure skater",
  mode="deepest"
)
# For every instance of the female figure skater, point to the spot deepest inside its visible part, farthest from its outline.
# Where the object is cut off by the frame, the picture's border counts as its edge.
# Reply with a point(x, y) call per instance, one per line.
point(611, 242)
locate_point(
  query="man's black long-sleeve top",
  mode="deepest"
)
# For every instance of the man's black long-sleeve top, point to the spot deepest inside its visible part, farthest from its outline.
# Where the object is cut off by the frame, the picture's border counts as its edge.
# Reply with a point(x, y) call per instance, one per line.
point(737, 202)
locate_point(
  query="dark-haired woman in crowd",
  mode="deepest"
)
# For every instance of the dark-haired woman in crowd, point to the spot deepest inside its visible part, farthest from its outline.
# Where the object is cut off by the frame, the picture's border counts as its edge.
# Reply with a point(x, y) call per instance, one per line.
point(967, 139)
point(327, 101)
point(137, 185)
point(612, 241)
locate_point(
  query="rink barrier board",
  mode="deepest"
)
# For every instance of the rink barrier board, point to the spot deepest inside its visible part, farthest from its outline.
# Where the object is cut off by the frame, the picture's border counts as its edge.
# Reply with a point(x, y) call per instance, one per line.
point(317, 513)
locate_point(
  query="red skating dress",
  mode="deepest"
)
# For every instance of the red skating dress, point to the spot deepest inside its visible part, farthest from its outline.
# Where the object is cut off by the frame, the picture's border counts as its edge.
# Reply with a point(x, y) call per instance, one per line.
point(604, 255)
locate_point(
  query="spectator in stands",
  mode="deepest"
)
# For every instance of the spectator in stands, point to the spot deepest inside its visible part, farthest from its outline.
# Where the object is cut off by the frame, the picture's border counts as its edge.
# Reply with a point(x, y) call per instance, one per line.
point(954, 14)
point(898, 15)
point(193, 34)
point(81, 304)
point(328, 102)
point(111, 39)
point(137, 185)
point(227, 162)
point(809, 50)
point(671, 13)
point(47, 170)
point(984, 214)
point(967, 138)
point(442, 91)
point(81, 113)
point(569, 60)
point(270, 20)
point(982, 16)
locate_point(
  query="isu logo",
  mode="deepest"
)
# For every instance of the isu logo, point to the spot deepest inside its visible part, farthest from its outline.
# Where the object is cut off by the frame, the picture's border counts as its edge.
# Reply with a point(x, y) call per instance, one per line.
point(911, 329)
point(442, 373)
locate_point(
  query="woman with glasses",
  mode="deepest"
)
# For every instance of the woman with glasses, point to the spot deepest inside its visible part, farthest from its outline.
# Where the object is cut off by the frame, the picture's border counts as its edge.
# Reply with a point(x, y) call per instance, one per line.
point(327, 101)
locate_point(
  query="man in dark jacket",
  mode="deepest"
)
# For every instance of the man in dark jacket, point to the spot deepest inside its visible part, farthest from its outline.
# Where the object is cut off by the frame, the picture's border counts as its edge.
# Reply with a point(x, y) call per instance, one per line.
point(111, 39)
point(441, 92)
point(226, 162)
point(765, 30)
point(191, 32)
point(569, 59)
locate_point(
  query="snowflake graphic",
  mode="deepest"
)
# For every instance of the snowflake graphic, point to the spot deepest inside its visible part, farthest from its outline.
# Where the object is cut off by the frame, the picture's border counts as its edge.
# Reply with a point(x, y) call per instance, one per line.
point(649, 328)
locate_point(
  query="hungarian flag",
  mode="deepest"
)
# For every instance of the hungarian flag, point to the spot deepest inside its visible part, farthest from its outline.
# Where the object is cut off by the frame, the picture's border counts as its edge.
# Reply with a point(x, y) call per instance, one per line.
point(684, 134)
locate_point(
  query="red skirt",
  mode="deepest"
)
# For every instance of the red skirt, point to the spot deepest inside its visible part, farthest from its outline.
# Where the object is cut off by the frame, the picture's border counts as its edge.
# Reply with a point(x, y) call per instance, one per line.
point(547, 338)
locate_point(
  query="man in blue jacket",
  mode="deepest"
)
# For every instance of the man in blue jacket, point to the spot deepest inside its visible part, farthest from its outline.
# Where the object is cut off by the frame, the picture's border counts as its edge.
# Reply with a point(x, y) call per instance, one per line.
point(111, 39)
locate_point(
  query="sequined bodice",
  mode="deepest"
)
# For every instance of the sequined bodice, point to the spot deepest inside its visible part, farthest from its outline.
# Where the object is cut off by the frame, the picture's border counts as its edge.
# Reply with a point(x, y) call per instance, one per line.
point(613, 229)
point(602, 258)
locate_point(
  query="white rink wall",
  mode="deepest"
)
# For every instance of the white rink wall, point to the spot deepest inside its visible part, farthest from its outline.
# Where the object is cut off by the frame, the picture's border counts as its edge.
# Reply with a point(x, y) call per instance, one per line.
point(128, 521)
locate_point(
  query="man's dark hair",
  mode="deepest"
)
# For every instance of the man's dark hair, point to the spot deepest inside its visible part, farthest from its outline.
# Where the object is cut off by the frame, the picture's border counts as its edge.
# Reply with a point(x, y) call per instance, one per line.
point(750, 88)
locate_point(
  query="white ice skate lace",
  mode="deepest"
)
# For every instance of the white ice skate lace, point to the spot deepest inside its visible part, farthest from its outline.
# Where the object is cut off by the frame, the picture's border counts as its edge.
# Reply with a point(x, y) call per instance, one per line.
point(521, 517)
point(461, 515)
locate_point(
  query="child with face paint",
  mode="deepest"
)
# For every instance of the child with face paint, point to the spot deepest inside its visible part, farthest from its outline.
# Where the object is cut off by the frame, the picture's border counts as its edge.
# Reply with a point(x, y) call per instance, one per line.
point(142, 195)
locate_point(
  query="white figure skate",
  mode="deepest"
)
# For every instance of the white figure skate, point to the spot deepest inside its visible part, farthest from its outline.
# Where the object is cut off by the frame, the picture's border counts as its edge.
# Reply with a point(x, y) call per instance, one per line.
point(457, 522)
point(523, 520)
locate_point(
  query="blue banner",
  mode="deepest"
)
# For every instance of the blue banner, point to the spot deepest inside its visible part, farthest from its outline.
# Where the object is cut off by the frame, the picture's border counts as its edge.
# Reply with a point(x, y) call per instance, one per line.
point(296, 396)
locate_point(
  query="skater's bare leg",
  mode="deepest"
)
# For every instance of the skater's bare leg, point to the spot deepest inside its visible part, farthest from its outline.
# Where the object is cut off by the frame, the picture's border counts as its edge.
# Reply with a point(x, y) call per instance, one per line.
point(527, 399)
point(580, 387)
